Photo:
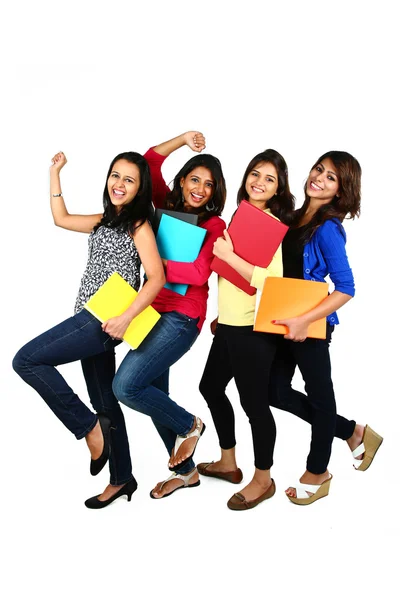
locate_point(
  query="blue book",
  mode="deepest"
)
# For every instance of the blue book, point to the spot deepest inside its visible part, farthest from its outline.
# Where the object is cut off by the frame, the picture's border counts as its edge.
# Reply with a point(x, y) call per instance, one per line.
point(180, 241)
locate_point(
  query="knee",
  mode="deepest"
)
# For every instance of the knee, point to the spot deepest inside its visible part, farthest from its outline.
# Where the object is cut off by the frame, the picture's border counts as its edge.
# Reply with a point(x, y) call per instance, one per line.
point(211, 391)
point(118, 388)
point(205, 387)
point(126, 392)
point(20, 361)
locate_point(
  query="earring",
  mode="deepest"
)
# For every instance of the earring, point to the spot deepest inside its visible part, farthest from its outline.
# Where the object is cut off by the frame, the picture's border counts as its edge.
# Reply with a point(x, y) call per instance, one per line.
point(210, 207)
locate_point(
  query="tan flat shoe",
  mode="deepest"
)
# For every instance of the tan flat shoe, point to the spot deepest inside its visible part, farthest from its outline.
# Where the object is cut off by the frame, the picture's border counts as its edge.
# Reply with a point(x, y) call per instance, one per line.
point(239, 502)
point(369, 447)
point(231, 476)
point(317, 491)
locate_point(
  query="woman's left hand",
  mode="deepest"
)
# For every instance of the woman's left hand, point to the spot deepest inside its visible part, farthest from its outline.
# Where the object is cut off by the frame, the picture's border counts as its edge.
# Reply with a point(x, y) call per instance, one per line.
point(116, 326)
point(223, 246)
point(298, 328)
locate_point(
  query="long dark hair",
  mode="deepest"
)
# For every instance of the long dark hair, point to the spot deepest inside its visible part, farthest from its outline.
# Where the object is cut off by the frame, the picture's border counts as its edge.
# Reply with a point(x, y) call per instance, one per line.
point(282, 204)
point(134, 214)
point(174, 199)
point(346, 204)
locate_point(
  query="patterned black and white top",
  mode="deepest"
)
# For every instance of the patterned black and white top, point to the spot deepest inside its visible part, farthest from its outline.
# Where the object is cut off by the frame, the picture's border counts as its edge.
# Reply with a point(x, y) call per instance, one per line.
point(110, 250)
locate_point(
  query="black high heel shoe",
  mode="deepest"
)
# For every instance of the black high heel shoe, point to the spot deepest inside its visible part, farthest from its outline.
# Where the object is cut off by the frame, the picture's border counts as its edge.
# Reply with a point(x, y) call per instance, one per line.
point(97, 464)
point(127, 489)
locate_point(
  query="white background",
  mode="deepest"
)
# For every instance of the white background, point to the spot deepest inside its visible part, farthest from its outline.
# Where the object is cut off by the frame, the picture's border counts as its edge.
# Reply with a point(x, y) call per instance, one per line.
point(94, 81)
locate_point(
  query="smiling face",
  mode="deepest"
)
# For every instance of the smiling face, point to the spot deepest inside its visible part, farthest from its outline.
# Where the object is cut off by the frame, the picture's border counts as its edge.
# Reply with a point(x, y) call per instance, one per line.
point(323, 182)
point(262, 184)
point(197, 187)
point(123, 183)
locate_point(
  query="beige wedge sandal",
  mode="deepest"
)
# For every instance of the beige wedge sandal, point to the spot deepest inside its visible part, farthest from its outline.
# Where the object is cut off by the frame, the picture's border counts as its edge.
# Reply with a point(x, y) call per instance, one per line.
point(317, 491)
point(369, 447)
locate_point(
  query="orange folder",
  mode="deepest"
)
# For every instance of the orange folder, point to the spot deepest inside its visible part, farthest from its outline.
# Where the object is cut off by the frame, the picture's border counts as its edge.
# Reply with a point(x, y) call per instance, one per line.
point(285, 297)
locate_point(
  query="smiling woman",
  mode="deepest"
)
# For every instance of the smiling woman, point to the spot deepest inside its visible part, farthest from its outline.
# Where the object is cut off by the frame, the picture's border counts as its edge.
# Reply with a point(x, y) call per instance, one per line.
point(123, 183)
point(238, 352)
point(142, 381)
point(120, 239)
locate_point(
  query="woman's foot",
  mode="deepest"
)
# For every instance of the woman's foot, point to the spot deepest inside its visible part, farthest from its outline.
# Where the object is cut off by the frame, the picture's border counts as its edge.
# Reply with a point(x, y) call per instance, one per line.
point(355, 440)
point(310, 478)
point(187, 447)
point(109, 492)
point(167, 487)
point(95, 441)
point(98, 441)
point(222, 466)
point(258, 486)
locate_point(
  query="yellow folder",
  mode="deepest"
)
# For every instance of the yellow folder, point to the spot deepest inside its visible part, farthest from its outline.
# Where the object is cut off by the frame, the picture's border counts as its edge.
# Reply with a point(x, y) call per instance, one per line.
point(286, 297)
point(112, 299)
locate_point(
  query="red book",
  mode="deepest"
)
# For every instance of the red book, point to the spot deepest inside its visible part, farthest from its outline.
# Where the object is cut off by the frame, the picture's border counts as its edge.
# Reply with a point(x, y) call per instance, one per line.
point(256, 236)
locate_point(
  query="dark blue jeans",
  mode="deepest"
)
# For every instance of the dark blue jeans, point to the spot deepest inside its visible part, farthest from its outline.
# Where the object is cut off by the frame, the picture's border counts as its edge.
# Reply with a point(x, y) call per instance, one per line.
point(78, 338)
point(141, 381)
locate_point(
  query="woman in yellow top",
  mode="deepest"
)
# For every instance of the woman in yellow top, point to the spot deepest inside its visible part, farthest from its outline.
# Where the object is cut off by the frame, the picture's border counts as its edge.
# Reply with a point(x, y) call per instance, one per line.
point(239, 352)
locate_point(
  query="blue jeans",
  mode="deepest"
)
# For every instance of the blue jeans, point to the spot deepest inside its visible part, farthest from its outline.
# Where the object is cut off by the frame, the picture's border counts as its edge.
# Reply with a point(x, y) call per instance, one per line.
point(142, 379)
point(78, 338)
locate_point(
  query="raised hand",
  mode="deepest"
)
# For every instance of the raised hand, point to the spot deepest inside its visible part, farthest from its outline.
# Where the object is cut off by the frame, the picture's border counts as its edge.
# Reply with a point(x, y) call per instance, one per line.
point(195, 140)
point(58, 161)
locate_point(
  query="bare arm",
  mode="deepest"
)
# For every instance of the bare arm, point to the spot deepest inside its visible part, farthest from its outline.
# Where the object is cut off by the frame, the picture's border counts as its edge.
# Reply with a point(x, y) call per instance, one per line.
point(194, 139)
point(62, 218)
point(146, 245)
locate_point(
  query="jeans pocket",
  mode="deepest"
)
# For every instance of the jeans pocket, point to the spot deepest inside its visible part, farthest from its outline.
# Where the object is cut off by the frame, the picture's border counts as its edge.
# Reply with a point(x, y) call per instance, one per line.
point(178, 316)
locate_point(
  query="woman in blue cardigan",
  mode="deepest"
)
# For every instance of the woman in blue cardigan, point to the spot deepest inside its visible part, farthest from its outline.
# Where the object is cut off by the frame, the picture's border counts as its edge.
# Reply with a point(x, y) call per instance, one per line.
point(314, 248)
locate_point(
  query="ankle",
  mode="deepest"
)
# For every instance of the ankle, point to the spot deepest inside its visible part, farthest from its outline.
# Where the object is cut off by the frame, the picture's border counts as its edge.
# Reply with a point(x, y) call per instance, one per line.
point(356, 438)
point(262, 478)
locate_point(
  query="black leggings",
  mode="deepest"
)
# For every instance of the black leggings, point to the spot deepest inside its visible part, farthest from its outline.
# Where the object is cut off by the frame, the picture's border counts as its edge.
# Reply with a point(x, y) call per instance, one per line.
point(318, 407)
point(246, 356)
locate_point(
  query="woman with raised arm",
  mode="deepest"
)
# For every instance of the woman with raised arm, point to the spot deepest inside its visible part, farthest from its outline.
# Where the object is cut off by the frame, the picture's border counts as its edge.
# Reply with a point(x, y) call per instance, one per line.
point(141, 382)
point(120, 239)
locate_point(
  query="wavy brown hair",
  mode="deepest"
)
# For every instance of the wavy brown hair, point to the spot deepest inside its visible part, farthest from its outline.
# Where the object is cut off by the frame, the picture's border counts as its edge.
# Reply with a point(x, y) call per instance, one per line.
point(346, 204)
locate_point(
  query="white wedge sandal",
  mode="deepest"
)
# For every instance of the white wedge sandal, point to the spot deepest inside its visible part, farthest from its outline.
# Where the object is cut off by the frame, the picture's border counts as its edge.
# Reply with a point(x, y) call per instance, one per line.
point(317, 491)
point(369, 447)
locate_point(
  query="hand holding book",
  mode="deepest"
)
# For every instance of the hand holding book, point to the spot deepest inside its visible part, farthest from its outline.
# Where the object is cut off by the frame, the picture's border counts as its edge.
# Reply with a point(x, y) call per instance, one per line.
point(117, 326)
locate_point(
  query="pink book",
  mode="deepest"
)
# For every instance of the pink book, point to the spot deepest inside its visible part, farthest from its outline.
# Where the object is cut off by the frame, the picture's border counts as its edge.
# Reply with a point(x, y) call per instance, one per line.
point(256, 236)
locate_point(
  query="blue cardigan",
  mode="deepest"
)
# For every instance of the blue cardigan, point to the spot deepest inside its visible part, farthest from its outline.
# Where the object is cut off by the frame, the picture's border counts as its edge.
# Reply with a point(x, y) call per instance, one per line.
point(325, 254)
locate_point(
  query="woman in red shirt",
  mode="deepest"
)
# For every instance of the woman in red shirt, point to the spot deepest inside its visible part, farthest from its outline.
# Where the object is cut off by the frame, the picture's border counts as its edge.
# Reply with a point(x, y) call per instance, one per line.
point(141, 382)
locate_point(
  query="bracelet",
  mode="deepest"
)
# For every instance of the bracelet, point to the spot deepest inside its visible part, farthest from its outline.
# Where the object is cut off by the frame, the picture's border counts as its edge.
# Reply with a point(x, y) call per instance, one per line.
point(56, 195)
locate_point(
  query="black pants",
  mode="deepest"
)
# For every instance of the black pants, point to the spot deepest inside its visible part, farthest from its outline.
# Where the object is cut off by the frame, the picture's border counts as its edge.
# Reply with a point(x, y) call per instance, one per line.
point(318, 407)
point(246, 356)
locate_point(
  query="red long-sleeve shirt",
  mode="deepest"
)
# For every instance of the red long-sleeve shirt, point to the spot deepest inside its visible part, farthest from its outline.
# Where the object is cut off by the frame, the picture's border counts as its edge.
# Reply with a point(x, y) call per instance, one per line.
point(196, 274)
